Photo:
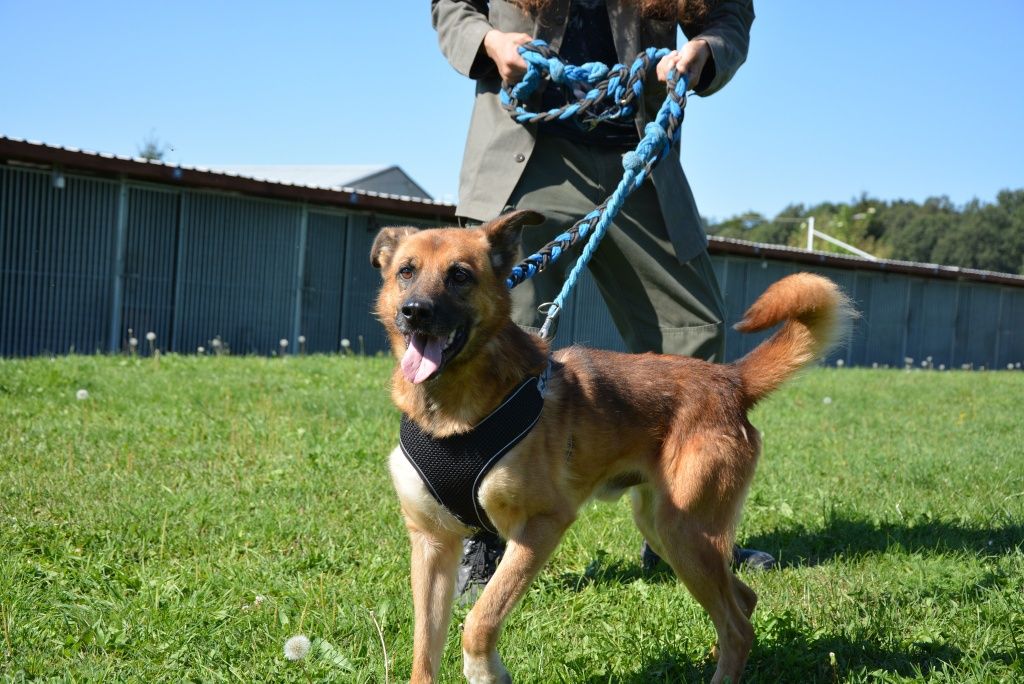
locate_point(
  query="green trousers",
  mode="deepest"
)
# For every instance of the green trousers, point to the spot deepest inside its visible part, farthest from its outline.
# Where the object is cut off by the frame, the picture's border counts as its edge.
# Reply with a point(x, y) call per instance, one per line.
point(657, 303)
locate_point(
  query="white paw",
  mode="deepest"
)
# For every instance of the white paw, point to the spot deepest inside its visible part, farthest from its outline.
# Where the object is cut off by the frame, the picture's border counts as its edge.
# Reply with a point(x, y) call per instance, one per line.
point(485, 670)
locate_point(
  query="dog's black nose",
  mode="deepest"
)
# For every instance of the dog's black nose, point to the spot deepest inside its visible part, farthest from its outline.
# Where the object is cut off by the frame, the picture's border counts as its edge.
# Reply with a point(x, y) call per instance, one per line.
point(418, 311)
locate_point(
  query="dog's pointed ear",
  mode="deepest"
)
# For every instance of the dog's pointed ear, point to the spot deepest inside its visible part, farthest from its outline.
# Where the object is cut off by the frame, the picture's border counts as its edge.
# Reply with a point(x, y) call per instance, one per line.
point(504, 234)
point(386, 243)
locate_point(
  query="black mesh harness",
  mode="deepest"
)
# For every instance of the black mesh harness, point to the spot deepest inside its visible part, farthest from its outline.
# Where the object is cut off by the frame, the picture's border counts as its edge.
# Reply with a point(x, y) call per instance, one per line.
point(453, 467)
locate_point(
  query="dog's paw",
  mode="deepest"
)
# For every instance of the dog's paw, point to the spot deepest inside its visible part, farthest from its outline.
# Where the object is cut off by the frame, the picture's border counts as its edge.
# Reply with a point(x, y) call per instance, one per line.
point(485, 669)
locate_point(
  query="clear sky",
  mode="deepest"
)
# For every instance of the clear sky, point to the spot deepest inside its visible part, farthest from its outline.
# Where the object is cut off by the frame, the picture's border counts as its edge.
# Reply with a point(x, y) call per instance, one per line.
point(898, 99)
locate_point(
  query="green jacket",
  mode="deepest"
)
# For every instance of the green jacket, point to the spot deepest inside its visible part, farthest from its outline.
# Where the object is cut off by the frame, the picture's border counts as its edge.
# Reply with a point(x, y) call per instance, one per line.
point(497, 148)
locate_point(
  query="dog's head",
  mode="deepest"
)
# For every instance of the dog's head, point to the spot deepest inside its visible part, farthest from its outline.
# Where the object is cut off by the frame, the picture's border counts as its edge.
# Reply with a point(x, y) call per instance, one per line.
point(444, 292)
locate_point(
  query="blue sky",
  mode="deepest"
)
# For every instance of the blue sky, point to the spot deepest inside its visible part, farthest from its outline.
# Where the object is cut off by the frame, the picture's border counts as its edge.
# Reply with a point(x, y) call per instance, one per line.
point(904, 99)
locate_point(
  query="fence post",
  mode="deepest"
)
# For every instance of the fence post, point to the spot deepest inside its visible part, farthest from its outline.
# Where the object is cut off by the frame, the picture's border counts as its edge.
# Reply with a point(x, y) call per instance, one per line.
point(178, 285)
point(120, 248)
point(300, 277)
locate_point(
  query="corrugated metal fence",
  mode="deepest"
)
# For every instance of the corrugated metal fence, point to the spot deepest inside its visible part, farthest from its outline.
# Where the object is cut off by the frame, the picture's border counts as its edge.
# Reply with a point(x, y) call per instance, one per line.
point(85, 263)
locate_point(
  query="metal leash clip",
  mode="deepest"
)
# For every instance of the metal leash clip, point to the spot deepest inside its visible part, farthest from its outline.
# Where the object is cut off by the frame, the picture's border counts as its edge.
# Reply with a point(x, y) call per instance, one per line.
point(550, 327)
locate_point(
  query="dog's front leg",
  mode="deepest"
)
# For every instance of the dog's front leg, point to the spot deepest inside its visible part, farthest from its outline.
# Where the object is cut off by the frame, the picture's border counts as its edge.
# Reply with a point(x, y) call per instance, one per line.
point(527, 551)
point(435, 558)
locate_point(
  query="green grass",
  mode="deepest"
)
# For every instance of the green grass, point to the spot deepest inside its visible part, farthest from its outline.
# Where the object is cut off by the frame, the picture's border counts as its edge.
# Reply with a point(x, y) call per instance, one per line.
point(138, 526)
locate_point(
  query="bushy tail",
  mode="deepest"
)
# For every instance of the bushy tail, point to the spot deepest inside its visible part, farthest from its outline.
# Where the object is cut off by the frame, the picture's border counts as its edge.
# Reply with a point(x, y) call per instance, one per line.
point(816, 314)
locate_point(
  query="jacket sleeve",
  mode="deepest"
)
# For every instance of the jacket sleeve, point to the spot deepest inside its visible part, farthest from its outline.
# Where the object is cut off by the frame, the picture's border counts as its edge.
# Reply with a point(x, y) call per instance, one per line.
point(727, 32)
point(461, 26)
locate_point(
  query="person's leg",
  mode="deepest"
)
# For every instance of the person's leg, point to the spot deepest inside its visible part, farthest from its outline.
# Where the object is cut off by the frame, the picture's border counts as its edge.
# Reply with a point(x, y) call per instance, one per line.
point(481, 554)
point(557, 183)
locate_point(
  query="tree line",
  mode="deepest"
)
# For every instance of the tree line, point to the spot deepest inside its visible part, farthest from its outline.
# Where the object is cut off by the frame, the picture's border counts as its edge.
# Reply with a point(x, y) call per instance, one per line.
point(983, 235)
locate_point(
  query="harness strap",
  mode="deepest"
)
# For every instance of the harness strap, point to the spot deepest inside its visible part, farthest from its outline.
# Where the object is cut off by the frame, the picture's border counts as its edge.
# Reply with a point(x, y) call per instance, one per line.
point(453, 467)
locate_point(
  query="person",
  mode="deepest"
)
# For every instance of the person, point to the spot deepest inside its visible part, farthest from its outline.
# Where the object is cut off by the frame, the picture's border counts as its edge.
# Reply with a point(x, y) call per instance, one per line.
point(652, 268)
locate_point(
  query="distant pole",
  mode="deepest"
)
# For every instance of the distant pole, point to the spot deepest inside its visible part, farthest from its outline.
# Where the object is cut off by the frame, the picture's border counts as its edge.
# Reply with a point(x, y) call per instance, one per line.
point(810, 233)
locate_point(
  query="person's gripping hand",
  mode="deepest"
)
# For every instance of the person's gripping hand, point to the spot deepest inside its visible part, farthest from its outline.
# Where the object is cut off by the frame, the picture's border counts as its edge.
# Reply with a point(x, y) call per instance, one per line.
point(688, 61)
point(503, 50)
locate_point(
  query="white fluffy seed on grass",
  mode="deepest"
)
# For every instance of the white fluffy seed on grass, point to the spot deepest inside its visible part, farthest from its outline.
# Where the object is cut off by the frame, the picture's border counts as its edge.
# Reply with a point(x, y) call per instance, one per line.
point(82, 394)
point(826, 400)
point(297, 647)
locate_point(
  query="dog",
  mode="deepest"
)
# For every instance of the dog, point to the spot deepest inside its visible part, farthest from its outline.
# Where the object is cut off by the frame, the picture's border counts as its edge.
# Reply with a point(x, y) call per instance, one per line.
point(671, 430)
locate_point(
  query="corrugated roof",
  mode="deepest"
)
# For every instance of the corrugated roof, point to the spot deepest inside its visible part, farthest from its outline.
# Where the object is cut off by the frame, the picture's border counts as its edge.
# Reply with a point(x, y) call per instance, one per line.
point(331, 176)
point(786, 253)
point(33, 151)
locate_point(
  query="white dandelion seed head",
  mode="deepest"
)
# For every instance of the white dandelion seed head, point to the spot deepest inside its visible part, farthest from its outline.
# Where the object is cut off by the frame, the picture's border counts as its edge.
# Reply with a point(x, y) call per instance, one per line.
point(345, 343)
point(942, 366)
point(1009, 366)
point(302, 339)
point(215, 342)
point(840, 363)
point(874, 365)
point(297, 647)
point(283, 343)
point(200, 349)
point(1017, 365)
point(260, 598)
point(150, 336)
point(826, 400)
point(82, 394)
point(133, 342)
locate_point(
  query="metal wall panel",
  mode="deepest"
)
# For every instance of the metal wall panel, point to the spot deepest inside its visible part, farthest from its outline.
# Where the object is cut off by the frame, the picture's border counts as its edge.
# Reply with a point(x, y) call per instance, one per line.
point(977, 325)
point(237, 268)
point(203, 264)
point(149, 267)
point(932, 321)
point(55, 262)
point(322, 281)
point(361, 282)
point(884, 323)
point(1011, 329)
point(734, 291)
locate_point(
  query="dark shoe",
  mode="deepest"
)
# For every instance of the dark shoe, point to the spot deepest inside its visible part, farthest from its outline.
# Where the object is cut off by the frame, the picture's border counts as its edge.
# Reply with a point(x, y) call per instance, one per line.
point(481, 554)
point(752, 559)
point(648, 558)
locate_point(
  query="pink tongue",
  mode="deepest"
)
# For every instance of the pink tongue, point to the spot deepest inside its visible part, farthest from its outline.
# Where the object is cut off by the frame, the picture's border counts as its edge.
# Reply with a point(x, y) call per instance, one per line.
point(422, 358)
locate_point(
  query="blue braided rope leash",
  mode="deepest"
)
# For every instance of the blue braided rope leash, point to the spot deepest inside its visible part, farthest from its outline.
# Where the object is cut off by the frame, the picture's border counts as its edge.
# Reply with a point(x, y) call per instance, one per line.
point(602, 94)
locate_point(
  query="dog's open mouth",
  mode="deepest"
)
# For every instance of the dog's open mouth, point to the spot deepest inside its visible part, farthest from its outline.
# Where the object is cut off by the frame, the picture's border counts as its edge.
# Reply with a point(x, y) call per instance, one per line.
point(425, 355)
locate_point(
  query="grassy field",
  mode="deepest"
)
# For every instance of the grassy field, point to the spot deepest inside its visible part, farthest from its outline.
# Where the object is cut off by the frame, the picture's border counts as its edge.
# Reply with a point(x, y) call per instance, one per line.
point(192, 514)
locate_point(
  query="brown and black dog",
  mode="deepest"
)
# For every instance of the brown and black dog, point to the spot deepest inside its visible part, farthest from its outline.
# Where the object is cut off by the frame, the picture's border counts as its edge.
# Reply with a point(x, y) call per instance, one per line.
point(673, 430)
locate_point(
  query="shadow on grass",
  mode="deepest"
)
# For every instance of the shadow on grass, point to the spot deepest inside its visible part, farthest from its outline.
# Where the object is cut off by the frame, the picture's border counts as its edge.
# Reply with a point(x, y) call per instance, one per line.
point(805, 547)
point(792, 657)
point(801, 546)
point(603, 570)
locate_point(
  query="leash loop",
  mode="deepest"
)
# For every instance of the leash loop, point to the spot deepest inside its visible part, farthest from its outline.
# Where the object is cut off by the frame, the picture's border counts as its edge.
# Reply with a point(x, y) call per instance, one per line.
point(602, 94)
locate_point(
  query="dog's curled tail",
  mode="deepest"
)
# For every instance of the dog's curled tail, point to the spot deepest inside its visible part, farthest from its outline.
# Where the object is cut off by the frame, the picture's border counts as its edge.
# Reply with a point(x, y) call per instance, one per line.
point(817, 315)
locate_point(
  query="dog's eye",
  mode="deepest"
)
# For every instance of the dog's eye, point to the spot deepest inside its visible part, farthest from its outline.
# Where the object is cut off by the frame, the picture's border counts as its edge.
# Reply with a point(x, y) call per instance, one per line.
point(460, 276)
point(405, 272)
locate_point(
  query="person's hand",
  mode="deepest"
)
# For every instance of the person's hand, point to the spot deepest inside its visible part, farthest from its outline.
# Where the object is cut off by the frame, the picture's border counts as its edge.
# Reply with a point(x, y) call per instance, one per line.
point(502, 48)
point(688, 61)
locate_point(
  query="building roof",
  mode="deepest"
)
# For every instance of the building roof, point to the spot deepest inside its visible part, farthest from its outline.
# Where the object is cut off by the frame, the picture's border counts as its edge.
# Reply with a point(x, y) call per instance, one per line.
point(333, 176)
point(112, 165)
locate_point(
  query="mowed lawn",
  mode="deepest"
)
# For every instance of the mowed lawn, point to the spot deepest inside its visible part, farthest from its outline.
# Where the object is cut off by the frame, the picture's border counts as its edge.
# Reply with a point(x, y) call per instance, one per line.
point(192, 514)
